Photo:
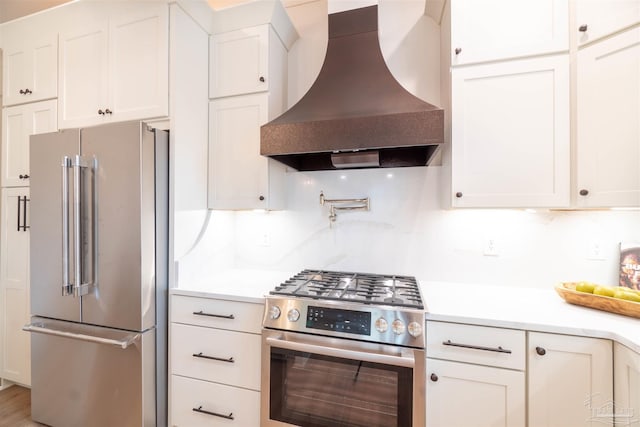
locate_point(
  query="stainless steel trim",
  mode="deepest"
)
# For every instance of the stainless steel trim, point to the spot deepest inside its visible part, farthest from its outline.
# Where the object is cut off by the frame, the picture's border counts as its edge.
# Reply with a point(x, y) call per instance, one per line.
point(130, 339)
point(67, 288)
point(386, 359)
point(476, 347)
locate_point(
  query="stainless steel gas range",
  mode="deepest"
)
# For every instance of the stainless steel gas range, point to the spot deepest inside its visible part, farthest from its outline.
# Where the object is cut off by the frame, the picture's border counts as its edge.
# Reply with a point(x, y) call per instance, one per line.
point(343, 349)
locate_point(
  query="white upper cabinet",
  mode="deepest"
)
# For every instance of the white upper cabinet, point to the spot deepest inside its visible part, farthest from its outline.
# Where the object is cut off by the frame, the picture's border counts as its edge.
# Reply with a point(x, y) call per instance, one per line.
point(18, 123)
point(239, 62)
point(114, 61)
point(510, 133)
point(30, 65)
point(608, 122)
point(498, 29)
point(239, 177)
point(598, 18)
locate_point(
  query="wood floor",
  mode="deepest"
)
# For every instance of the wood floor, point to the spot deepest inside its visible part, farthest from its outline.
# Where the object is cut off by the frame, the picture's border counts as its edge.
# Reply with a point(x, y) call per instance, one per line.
point(15, 408)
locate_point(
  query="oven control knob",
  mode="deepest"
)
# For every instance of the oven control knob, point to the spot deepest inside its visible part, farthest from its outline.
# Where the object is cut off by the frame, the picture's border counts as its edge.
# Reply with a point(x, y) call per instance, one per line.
point(382, 325)
point(415, 329)
point(293, 315)
point(398, 327)
point(274, 312)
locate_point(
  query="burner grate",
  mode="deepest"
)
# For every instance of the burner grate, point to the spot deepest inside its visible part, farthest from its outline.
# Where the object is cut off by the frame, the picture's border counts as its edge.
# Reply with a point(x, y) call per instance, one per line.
point(366, 288)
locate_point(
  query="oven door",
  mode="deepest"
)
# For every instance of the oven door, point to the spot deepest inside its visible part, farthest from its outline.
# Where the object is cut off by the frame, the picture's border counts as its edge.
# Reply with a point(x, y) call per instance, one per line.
point(314, 381)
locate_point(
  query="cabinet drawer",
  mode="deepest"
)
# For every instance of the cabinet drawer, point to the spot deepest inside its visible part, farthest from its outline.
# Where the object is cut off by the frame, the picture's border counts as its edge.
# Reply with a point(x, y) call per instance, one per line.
point(232, 315)
point(216, 355)
point(504, 348)
point(188, 394)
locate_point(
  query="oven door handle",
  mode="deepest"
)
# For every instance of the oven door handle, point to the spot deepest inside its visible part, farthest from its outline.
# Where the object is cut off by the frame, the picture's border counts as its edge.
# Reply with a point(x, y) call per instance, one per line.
point(385, 359)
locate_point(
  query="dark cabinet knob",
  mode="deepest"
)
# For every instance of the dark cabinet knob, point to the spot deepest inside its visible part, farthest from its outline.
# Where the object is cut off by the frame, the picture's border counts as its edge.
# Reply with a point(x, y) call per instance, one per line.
point(107, 111)
point(541, 351)
point(262, 79)
point(25, 176)
point(459, 194)
point(433, 377)
point(458, 50)
point(261, 198)
point(584, 192)
point(583, 28)
point(101, 112)
point(24, 91)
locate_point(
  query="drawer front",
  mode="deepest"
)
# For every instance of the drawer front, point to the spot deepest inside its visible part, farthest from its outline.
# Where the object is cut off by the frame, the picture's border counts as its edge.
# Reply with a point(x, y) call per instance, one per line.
point(504, 348)
point(217, 355)
point(188, 394)
point(215, 313)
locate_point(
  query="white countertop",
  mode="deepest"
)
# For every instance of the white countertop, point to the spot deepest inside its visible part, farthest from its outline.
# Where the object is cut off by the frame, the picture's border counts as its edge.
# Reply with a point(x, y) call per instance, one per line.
point(540, 310)
point(530, 309)
point(235, 285)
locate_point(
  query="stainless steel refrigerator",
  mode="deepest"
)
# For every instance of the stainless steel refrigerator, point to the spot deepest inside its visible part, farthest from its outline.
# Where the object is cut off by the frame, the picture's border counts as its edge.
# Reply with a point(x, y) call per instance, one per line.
point(98, 264)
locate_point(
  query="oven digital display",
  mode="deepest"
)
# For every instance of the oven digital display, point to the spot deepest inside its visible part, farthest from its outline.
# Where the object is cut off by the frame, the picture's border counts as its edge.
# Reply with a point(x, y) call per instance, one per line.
point(331, 319)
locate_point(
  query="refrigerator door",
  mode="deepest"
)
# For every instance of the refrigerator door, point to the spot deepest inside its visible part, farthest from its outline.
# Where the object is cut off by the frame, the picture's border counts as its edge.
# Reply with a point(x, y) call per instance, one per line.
point(47, 262)
point(124, 293)
point(91, 376)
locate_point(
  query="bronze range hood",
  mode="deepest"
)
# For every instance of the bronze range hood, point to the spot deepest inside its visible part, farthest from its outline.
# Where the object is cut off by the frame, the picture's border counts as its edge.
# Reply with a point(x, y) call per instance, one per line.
point(355, 115)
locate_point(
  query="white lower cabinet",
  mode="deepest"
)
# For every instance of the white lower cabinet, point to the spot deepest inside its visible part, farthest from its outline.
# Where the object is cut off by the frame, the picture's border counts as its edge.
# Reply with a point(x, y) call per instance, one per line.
point(214, 359)
point(484, 376)
point(199, 403)
point(626, 380)
point(475, 376)
point(570, 380)
point(463, 395)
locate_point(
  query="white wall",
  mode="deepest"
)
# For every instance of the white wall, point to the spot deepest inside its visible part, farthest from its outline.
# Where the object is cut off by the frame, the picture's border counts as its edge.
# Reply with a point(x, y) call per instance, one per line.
point(407, 231)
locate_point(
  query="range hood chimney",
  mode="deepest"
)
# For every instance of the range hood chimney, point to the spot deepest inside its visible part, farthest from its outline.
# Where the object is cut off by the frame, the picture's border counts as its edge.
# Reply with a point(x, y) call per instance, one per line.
point(355, 115)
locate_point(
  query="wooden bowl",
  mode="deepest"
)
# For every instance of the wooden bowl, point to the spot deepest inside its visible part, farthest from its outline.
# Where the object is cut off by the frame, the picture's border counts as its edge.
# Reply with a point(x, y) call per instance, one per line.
point(614, 305)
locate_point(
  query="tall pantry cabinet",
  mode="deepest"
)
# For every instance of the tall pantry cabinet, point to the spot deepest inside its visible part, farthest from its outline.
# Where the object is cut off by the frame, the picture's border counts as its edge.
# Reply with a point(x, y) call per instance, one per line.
point(29, 106)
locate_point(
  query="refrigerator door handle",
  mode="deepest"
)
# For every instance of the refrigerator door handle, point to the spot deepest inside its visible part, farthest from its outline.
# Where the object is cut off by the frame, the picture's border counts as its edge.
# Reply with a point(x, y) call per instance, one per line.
point(124, 343)
point(80, 288)
point(67, 287)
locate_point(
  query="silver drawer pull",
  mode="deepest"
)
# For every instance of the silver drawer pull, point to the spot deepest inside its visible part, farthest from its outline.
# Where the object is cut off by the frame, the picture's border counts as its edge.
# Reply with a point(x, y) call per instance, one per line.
point(221, 316)
point(221, 359)
point(477, 347)
point(202, 411)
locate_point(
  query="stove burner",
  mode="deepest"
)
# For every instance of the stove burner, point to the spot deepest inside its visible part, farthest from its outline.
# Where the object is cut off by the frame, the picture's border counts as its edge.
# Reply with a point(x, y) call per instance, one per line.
point(402, 291)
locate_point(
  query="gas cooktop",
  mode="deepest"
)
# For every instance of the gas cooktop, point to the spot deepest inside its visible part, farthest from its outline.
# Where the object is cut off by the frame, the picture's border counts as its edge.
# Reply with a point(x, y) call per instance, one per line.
point(377, 289)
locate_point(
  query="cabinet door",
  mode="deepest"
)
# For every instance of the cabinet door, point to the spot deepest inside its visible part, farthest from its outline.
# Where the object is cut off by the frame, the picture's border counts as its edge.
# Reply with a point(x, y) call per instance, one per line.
point(596, 18)
point(14, 286)
point(238, 174)
point(626, 380)
point(608, 152)
point(463, 395)
point(570, 381)
point(30, 67)
point(497, 29)
point(18, 123)
point(239, 62)
point(138, 61)
point(83, 73)
point(510, 134)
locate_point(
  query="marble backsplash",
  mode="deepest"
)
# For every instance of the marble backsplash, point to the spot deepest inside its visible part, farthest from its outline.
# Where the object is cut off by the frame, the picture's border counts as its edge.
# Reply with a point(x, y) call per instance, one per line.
point(408, 232)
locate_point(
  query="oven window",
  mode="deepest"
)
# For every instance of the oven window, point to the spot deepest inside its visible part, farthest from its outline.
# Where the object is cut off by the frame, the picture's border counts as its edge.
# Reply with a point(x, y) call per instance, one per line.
point(310, 390)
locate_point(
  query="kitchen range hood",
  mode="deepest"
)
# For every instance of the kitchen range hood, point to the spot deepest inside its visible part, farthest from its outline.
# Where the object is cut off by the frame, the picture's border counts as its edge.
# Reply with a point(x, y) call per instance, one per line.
point(355, 115)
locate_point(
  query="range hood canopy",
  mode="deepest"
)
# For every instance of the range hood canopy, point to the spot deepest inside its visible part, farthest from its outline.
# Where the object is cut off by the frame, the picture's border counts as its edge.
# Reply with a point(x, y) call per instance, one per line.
point(355, 115)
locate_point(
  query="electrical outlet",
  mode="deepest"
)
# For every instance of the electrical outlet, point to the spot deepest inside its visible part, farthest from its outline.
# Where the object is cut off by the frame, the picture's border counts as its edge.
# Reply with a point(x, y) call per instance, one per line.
point(594, 251)
point(490, 247)
point(264, 239)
